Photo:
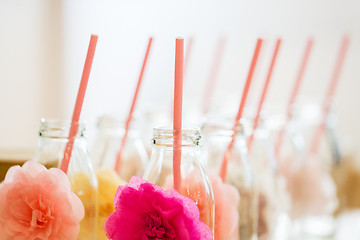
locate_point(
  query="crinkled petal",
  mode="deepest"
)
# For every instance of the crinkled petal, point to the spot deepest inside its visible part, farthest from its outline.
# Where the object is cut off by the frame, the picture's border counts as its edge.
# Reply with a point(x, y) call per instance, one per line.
point(133, 202)
point(36, 203)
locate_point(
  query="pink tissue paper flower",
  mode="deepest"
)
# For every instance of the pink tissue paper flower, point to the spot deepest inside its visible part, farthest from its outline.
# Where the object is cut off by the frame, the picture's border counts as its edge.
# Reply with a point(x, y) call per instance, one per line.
point(227, 201)
point(37, 203)
point(313, 191)
point(145, 211)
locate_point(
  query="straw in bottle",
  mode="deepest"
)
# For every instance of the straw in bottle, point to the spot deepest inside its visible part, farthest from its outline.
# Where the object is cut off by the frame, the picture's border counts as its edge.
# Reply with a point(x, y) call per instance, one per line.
point(293, 96)
point(263, 94)
point(79, 102)
point(130, 115)
point(227, 154)
point(177, 120)
point(330, 94)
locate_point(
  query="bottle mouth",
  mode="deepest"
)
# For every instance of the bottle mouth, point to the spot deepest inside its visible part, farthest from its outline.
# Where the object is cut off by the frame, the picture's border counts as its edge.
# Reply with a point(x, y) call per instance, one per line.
point(226, 127)
point(59, 129)
point(164, 136)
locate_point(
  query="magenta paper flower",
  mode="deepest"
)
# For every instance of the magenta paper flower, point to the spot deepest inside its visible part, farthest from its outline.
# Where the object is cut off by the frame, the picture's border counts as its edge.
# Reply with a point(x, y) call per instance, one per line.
point(145, 211)
point(37, 203)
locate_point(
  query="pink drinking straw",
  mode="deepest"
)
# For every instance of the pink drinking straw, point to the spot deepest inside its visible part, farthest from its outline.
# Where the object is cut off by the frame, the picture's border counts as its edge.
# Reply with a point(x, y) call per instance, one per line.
point(189, 44)
point(263, 94)
point(178, 94)
point(79, 102)
point(330, 94)
point(214, 72)
point(129, 118)
point(293, 96)
point(223, 169)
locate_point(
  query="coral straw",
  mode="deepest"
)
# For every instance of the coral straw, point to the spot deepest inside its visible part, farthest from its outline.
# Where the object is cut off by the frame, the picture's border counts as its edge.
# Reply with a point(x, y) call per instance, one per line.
point(189, 44)
point(330, 94)
point(79, 102)
point(178, 93)
point(224, 164)
point(209, 90)
point(129, 118)
point(293, 96)
point(263, 94)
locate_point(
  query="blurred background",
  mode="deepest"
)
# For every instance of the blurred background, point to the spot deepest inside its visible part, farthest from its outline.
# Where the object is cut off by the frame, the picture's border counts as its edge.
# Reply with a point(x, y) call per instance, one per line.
point(43, 48)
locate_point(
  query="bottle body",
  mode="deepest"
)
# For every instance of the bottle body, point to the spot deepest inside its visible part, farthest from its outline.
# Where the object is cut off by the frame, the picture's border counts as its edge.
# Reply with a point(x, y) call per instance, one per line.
point(309, 182)
point(345, 169)
point(195, 183)
point(107, 144)
point(274, 199)
point(110, 132)
point(52, 143)
point(217, 137)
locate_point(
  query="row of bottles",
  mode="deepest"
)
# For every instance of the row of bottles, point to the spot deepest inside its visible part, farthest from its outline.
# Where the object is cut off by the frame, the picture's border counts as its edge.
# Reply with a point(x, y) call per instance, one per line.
point(269, 189)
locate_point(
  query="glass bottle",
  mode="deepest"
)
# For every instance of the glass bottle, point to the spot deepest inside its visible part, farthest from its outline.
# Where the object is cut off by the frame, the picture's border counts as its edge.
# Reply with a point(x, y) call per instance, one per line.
point(107, 143)
point(274, 199)
point(52, 141)
point(308, 177)
point(345, 169)
point(110, 132)
point(195, 183)
point(217, 137)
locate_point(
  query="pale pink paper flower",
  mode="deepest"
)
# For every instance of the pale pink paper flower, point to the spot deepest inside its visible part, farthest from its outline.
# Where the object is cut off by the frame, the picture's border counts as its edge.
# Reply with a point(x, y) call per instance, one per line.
point(37, 203)
point(312, 189)
point(227, 200)
point(145, 211)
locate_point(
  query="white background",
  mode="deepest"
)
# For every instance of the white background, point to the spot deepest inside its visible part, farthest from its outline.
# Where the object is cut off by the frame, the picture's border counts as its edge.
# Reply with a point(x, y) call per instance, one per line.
point(43, 47)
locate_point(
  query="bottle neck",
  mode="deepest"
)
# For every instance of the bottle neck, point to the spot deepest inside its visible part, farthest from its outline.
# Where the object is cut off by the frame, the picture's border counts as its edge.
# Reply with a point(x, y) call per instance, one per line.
point(225, 129)
point(165, 137)
point(59, 130)
point(53, 137)
point(110, 125)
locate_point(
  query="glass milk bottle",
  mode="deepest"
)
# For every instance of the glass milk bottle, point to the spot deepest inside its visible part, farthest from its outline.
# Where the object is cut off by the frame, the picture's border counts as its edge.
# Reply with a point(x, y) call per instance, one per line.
point(110, 132)
point(107, 144)
point(345, 169)
point(195, 183)
point(52, 141)
point(308, 178)
point(274, 199)
point(217, 137)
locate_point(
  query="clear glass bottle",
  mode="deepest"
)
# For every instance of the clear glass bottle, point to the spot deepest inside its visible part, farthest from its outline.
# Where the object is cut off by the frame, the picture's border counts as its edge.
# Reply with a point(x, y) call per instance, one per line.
point(309, 182)
point(52, 141)
point(110, 132)
point(274, 199)
point(195, 183)
point(107, 143)
point(217, 137)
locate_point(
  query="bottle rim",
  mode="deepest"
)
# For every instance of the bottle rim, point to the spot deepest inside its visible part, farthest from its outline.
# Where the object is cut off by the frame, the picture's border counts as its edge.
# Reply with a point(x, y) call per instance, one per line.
point(59, 129)
point(164, 136)
point(226, 127)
